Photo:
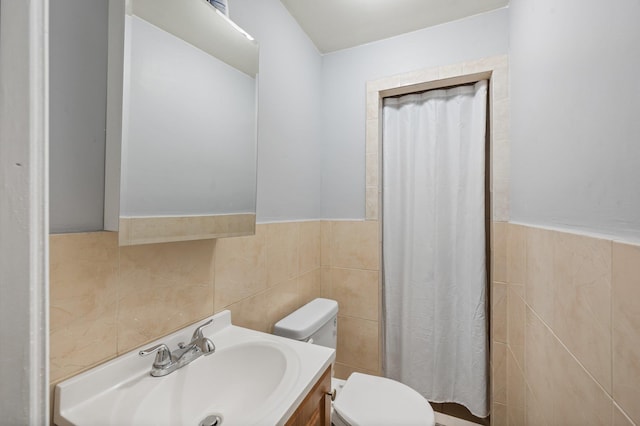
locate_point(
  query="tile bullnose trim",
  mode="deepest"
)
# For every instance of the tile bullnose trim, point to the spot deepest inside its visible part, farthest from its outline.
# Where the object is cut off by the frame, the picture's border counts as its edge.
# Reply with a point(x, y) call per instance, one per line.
point(161, 229)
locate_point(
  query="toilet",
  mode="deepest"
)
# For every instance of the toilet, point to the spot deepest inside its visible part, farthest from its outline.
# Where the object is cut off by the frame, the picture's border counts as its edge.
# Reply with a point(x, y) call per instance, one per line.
point(362, 399)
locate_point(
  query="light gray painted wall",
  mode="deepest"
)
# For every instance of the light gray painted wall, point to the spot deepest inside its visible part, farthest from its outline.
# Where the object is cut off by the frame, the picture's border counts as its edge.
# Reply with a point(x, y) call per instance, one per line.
point(575, 127)
point(289, 87)
point(305, 147)
point(289, 155)
point(78, 82)
point(345, 74)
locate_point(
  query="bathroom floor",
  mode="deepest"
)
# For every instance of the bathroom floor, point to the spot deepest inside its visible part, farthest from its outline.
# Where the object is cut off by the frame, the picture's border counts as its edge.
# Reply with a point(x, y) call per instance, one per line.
point(447, 420)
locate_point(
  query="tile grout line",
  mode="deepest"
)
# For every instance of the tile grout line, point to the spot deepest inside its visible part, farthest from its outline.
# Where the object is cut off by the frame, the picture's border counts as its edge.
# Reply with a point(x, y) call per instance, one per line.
point(570, 353)
point(613, 408)
point(609, 395)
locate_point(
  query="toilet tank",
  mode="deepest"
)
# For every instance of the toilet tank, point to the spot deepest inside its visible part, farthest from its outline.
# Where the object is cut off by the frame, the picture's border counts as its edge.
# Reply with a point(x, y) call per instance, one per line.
point(316, 322)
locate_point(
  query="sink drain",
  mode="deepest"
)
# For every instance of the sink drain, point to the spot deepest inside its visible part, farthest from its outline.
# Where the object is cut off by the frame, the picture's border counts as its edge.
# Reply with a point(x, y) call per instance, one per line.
point(212, 420)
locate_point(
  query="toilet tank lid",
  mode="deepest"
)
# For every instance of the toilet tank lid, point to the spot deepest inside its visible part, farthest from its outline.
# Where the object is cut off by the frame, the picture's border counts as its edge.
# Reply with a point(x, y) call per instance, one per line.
point(302, 323)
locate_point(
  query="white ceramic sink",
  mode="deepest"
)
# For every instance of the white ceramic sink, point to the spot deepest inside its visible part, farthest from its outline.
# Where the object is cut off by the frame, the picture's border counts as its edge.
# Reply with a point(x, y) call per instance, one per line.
point(252, 379)
point(241, 376)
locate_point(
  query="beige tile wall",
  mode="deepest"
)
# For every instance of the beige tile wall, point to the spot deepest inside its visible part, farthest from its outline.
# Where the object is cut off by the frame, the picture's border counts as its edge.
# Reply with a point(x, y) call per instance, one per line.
point(573, 328)
point(264, 277)
point(350, 274)
point(83, 307)
point(107, 300)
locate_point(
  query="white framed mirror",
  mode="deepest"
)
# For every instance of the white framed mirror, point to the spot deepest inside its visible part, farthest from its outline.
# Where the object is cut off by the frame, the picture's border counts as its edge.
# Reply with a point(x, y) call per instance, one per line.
point(181, 123)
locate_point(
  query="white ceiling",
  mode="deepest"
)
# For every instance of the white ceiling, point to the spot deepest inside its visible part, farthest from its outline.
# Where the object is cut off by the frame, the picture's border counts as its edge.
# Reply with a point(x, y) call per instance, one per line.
point(338, 24)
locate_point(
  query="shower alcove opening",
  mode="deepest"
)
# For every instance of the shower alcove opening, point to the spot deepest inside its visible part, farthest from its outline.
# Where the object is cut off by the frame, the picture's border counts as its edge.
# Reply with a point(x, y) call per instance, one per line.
point(495, 70)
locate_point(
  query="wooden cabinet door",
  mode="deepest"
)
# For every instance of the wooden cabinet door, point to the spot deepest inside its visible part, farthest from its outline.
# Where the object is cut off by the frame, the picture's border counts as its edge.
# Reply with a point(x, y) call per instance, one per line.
point(315, 410)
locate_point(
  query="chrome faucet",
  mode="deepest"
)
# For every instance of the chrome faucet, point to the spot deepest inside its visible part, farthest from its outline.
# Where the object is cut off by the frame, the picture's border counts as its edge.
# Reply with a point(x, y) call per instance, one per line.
point(168, 361)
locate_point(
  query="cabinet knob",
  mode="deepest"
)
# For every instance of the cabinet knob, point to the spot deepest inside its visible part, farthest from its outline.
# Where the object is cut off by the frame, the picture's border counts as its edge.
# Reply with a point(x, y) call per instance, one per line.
point(332, 394)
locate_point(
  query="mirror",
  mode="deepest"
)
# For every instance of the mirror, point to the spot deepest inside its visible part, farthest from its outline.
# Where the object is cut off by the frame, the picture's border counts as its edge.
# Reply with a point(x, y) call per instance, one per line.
point(181, 135)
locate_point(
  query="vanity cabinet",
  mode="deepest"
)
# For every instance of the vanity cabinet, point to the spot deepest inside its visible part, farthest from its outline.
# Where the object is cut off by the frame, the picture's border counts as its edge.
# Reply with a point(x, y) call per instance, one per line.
point(315, 409)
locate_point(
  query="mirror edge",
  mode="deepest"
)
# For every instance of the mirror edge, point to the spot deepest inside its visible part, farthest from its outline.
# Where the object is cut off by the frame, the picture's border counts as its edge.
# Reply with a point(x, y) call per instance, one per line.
point(115, 68)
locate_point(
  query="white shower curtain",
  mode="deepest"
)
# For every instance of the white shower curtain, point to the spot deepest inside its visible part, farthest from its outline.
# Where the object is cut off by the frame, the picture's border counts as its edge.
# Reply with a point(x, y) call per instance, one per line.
point(434, 244)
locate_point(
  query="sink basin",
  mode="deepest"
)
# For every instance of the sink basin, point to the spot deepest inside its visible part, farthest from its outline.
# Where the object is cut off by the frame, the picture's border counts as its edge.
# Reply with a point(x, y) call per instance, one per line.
point(234, 378)
point(252, 379)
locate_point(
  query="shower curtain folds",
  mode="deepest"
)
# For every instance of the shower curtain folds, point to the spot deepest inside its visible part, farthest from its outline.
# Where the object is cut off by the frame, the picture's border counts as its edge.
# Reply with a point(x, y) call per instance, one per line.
point(434, 256)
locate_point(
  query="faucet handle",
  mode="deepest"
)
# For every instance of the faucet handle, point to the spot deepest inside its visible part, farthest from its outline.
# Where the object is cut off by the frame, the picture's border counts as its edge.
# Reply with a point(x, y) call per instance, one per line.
point(197, 334)
point(206, 346)
point(163, 355)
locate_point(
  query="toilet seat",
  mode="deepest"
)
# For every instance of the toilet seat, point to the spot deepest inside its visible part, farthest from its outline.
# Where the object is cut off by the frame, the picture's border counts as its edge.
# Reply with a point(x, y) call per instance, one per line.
point(367, 400)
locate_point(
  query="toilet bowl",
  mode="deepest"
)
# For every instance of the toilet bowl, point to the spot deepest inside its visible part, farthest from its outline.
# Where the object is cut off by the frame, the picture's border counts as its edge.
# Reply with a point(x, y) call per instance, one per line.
point(362, 399)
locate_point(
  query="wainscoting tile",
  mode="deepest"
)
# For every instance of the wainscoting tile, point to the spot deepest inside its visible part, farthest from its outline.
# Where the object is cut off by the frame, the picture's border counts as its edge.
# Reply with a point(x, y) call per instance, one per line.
point(354, 244)
point(309, 246)
point(83, 280)
point(499, 312)
point(309, 286)
point(251, 312)
point(162, 288)
point(325, 243)
point(626, 328)
point(534, 411)
point(582, 301)
point(499, 415)
point(540, 354)
point(325, 282)
point(282, 252)
point(581, 401)
point(620, 418)
point(357, 343)
point(499, 267)
point(516, 312)
point(515, 392)
point(516, 254)
point(240, 267)
point(83, 276)
point(281, 300)
point(499, 369)
point(81, 345)
point(356, 291)
point(560, 385)
point(539, 274)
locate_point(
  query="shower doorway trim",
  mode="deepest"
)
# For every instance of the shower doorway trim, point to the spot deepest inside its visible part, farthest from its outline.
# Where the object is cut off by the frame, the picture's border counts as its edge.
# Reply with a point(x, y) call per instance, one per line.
point(496, 70)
